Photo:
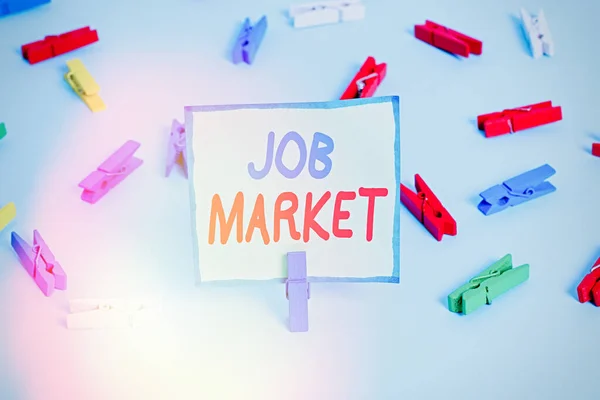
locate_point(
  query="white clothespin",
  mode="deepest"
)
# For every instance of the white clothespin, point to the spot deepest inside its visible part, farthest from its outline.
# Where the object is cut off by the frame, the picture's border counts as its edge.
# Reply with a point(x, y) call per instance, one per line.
point(326, 12)
point(109, 313)
point(538, 33)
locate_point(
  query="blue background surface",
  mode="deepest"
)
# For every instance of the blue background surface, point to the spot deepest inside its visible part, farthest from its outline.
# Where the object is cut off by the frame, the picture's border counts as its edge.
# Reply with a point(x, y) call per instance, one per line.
point(366, 341)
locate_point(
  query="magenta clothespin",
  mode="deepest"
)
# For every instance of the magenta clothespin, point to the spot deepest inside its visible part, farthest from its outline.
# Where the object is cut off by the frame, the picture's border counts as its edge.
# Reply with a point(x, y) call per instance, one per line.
point(40, 263)
point(177, 148)
point(110, 173)
point(297, 291)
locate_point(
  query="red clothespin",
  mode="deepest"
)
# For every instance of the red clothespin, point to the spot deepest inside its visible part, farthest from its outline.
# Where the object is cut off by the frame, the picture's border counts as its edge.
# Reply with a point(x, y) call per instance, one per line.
point(589, 288)
point(448, 40)
point(53, 46)
point(518, 119)
point(596, 149)
point(366, 81)
point(426, 207)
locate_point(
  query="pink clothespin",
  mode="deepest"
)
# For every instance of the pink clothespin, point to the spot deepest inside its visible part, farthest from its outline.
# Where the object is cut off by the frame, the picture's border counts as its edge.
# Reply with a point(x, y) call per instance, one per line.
point(110, 173)
point(177, 148)
point(40, 263)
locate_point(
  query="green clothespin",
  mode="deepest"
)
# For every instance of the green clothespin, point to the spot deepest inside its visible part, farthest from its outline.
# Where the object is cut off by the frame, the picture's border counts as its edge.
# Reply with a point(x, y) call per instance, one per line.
point(2, 130)
point(491, 283)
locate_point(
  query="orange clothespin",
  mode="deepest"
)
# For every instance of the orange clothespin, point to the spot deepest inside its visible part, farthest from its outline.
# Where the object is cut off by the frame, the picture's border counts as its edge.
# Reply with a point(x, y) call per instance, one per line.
point(426, 207)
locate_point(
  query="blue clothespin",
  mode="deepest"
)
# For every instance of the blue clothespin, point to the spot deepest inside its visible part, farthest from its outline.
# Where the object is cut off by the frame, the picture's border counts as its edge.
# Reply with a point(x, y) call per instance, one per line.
point(14, 6)
point(520, 189)
point(249, 41)
point(297, 291)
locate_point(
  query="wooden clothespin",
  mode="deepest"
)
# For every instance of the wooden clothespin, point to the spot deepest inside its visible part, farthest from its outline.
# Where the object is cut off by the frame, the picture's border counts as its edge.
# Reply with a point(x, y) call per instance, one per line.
point(426, 207)
point(40, 263)
point(366, 81)
point(297, 291)
point(177, 153)
point(518, 190)
point(538, 34)
point(589, 288)
point(326, 12)
point(518, 119)
point(249, 40)
point(110, 173)
point(490, 284)
point(84, 85)
point(448, 40)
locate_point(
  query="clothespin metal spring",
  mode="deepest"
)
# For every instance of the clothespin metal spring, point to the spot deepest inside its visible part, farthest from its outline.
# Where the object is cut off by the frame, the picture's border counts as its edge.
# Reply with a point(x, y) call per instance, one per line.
point(360, 83)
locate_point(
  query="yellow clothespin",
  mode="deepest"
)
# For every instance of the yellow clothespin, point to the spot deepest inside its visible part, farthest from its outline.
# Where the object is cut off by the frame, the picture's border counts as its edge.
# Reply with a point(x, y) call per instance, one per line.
point(84, 85)
point(7, 214)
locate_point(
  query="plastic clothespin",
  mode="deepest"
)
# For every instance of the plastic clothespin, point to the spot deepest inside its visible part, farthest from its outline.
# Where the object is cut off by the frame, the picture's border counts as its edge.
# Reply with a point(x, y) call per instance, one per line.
point(538, 34)
point(14, 6)
point(84, 85)
point(589, 288)
point(109, 313)
point(7, 214)
point(40, 263)
point(366, 81)
point(518, 119)
point(326, 12)
point(595, 148)
point(297, 291)
point(518, 190)
point(490, 284)
point(447, 39)
point(2, 130)
point(52, 46)
point(426, 207)
point(249, 40)
point(111, 172)
point(177, 153)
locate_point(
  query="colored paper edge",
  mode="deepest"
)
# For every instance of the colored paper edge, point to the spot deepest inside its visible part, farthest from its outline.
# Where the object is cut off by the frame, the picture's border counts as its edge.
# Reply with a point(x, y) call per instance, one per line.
point(189, 123)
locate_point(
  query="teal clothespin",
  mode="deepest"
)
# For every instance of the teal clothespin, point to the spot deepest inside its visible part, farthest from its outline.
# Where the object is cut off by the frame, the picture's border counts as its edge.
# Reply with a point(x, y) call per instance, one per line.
point(2, 130)
point(491, 283)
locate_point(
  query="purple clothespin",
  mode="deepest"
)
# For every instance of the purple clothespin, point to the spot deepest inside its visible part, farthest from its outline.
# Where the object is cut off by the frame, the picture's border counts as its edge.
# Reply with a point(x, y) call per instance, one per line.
point(249, 40)
point(110, 173)
point(177, 148)
point(297, 291)
point(40, 263)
